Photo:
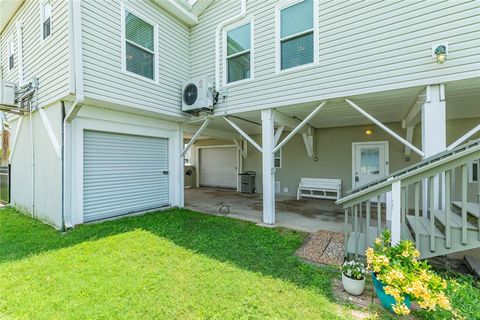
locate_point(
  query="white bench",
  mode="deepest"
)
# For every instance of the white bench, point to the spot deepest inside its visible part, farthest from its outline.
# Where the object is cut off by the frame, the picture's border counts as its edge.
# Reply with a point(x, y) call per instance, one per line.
point(319, 188)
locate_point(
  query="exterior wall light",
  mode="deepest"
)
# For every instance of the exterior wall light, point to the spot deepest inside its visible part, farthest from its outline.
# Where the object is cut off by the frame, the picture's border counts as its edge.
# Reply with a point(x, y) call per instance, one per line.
point(440, 52)
point(369, 132)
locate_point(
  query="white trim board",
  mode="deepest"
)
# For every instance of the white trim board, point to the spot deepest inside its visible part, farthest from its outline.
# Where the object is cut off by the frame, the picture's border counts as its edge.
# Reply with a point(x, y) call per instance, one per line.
point(81, 123)
point(123, 8)
point(248, 20)
point(278, 8)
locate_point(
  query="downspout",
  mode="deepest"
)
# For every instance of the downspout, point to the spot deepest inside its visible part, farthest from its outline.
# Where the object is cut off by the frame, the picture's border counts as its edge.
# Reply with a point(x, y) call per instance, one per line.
point(67, 143)
point(221, 25)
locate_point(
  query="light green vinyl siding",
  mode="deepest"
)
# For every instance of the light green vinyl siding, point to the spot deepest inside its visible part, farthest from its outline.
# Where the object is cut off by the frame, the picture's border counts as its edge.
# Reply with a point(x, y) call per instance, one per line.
point(103, 76)
point(48, 60)
point(364, 47)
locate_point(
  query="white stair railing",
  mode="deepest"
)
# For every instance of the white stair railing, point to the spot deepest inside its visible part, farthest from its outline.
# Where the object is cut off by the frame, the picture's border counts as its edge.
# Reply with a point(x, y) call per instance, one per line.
point(445, 227)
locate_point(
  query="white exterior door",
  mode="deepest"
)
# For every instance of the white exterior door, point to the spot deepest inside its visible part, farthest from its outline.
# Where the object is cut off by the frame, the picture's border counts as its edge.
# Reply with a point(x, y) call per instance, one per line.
point(123, 174)
point(370, 162)
point(218, 167)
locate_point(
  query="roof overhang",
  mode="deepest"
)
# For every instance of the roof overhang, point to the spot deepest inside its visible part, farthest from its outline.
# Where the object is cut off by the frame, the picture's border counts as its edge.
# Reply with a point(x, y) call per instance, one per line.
point(179, 9)
point(7, 10)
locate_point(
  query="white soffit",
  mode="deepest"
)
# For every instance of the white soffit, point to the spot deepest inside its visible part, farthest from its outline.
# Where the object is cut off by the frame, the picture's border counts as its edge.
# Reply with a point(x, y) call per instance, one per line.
point(180, 9)
point(7, 10)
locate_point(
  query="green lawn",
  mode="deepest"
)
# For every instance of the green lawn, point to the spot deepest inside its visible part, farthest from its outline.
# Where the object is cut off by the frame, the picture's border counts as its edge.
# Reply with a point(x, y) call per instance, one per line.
point(173, 264)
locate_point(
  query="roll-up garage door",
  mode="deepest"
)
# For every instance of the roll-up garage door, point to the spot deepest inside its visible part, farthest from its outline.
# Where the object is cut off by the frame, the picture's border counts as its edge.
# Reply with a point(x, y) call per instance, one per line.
point(123, 174)
point(218, 167)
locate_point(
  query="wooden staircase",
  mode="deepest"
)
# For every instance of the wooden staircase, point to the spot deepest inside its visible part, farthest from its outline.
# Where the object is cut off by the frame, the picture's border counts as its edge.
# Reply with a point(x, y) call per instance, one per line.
point(444, 225)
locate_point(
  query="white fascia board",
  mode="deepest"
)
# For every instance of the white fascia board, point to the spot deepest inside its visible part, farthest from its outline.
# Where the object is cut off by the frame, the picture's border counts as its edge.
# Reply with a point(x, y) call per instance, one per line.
point(180, 10)
point(8, 8)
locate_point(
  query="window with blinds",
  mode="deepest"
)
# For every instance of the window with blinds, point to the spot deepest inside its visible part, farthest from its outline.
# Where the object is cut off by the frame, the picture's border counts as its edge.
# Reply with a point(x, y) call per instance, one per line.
point(238, 53)
point(11, 55)
point(297, 35)
point(139, 46)
point(46, 20)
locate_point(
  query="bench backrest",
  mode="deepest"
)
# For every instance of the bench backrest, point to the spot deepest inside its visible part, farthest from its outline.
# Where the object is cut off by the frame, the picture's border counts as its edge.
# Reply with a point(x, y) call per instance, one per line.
point(321, 182)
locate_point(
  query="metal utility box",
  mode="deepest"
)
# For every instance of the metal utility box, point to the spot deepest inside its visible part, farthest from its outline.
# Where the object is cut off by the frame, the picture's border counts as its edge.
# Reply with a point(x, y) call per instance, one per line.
point(7, 93)
point(247, 182)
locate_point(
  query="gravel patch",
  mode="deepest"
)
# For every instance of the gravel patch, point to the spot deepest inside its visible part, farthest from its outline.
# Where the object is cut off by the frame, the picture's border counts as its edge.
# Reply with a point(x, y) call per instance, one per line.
point(323, 247)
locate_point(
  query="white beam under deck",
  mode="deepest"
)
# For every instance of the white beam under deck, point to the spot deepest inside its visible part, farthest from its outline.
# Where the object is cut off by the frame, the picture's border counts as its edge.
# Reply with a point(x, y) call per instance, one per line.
point(299, 127)
point(195, 136)
point(384, 127)
point(243, 134)
point(462, 139)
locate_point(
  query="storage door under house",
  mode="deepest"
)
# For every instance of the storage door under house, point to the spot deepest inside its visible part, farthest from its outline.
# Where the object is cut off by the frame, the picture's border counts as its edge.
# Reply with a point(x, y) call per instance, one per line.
point(218, 167)
point(123, 174)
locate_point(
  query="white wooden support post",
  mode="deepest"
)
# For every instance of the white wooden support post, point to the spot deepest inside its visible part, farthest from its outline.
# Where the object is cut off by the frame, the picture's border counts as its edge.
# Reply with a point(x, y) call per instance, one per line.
point(434, 135)
point(396, 224)
point(268, 166)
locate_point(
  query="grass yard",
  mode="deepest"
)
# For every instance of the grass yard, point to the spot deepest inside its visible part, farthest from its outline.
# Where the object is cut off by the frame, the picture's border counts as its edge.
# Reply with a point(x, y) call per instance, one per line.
point(174, 264)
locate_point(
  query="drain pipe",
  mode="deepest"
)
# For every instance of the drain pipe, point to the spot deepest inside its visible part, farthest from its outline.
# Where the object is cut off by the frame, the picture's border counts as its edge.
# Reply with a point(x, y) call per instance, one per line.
point(32, 148)
point(221, 25)
point(67, 142)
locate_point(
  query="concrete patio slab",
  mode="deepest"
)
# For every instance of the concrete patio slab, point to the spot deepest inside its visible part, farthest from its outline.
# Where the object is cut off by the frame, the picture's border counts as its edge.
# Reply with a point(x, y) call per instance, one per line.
point(308, 215)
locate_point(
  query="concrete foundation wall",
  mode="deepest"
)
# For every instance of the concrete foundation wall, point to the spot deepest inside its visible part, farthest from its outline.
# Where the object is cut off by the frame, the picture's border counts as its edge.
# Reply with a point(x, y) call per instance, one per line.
point(333, 149)
point(46, 201)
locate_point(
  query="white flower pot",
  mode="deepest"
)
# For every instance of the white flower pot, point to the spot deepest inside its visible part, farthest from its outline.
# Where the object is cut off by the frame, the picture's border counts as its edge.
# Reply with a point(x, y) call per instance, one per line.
point(353, 286)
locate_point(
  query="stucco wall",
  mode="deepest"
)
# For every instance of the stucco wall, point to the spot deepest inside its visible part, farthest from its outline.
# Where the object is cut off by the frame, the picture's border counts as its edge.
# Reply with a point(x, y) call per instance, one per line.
point(48, 167)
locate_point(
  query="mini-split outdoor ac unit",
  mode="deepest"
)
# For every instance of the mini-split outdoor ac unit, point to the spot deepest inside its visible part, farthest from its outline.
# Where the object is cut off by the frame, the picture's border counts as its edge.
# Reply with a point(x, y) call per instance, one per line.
point(198, 95)
point(7, 93)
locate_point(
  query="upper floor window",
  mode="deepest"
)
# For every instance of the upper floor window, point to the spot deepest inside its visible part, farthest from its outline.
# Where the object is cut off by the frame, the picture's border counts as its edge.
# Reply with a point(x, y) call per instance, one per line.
point(297, 34)
point(11, 54)
point(46, 20)
point(239, 55)
point(140, 43)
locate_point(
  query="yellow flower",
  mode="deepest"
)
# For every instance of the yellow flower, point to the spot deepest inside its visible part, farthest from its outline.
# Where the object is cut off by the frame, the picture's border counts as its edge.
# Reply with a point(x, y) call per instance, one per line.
point(443, 302)
point(401, 309)
point(378, 241)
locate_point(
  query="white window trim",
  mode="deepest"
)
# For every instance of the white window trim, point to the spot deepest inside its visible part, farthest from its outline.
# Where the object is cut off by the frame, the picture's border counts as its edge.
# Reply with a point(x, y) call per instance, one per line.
point(42, 20)
point(280, 157)
point(252, 52)
point(470, 171)
point(155, 79)
point(10, 53)
point(278, 62)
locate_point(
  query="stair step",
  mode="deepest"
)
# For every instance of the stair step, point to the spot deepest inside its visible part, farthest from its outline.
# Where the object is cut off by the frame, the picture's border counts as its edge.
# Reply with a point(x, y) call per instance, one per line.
point(455, 220)
point(472, 207)
point(422, 226)
point(473, 263)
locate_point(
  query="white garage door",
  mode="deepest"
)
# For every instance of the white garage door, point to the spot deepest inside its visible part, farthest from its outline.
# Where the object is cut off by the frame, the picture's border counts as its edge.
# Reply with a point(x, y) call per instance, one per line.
point(123, 174)
point(218, 167)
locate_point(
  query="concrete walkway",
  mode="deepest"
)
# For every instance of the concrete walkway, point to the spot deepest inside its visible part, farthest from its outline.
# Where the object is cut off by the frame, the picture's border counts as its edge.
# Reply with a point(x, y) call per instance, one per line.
point(308, 215)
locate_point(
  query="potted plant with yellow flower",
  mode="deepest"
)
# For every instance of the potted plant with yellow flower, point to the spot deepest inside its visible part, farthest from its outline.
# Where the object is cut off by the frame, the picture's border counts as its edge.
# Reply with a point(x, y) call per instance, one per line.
point(399, 277)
